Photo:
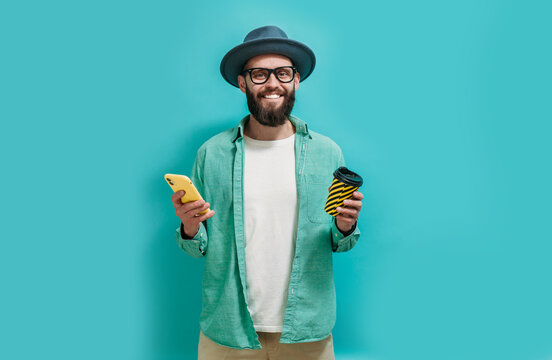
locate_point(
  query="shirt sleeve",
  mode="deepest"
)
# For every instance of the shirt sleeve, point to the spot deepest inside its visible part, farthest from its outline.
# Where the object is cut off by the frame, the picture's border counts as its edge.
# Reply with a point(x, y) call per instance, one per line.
point(341, 242)
point(196, 246)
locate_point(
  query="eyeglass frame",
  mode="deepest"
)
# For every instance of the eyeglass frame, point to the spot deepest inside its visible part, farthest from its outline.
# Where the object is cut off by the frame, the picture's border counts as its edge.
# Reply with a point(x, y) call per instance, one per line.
point(270, 71)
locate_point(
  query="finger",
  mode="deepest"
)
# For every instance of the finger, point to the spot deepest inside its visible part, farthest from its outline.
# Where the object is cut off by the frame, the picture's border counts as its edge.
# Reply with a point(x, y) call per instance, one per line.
point(348, 212)
point(357, 204)
point(190, 208)
point(350, 216)
point(193, 205)
point(195, 220)
point(206, 216)
point(344, 222)
point(358, 195)
point(175, 198)
point(196, 212)
point(345, 218)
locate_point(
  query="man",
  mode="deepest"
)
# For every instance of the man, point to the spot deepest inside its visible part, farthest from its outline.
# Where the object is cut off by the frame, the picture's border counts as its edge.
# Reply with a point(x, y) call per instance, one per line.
point(268, 289)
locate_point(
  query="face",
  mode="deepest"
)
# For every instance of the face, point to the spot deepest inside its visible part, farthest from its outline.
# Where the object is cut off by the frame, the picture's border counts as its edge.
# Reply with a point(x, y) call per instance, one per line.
point(269, 103)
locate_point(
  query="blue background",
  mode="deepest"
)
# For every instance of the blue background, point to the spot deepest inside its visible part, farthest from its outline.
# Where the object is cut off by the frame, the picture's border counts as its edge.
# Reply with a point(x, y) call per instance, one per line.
point(443, 106)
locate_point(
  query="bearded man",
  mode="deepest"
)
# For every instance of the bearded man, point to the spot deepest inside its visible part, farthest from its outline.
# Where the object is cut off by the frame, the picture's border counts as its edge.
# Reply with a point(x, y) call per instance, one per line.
point(268, 288)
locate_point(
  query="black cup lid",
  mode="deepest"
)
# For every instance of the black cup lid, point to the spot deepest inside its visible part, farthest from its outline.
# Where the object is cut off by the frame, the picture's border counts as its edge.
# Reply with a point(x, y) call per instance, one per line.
point(348, 177)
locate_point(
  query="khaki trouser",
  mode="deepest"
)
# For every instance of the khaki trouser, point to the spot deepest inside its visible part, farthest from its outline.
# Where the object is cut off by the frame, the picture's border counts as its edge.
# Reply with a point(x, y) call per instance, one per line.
point(271, 349)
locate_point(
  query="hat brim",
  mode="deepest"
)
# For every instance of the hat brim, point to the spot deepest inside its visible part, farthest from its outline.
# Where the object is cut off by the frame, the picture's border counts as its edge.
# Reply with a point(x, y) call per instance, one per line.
point(301, 55)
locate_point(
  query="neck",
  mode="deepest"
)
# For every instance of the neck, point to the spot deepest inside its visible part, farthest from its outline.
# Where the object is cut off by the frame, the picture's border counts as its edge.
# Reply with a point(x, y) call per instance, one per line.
point(258, 131)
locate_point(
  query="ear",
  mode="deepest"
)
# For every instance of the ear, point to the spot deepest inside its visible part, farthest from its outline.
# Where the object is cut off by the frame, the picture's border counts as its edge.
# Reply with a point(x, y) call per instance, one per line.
point(241, 83)
point(296, 80)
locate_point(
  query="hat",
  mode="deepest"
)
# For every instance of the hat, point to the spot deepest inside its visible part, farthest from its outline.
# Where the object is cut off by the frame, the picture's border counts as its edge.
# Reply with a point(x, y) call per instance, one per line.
point(266, 40)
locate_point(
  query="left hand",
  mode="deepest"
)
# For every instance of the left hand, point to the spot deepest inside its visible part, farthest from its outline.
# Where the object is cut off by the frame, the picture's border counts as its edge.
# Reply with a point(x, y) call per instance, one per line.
point(348, 213)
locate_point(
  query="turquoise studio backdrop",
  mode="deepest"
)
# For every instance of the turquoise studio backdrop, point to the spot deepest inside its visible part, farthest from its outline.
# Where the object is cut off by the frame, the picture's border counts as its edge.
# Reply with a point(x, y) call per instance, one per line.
point(444, 107)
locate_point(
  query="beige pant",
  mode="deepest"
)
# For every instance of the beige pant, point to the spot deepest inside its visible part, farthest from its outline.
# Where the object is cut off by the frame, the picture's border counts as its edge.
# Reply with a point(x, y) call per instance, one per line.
point(271, 349)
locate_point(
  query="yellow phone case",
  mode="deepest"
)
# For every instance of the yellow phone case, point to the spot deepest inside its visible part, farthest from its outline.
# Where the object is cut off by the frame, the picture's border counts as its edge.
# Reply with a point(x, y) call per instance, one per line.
point(181, 182)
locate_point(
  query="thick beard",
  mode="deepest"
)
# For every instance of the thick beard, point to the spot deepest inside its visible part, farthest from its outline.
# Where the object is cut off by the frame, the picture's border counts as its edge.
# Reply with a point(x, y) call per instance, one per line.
point(270, 116)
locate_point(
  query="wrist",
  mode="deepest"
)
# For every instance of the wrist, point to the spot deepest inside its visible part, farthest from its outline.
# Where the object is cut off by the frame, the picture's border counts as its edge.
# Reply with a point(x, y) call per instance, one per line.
point(186, 234)
point(345, 232)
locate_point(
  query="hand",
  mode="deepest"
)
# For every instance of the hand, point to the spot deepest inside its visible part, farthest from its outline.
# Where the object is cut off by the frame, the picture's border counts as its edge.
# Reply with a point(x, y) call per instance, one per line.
point(348, 213)
point(189, 213)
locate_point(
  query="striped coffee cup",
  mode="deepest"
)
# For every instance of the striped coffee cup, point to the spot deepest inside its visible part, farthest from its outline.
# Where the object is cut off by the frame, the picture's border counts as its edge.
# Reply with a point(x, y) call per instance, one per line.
point(345, 183)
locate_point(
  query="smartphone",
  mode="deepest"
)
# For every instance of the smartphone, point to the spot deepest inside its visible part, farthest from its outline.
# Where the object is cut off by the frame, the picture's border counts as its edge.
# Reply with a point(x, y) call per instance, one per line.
point(181, 182)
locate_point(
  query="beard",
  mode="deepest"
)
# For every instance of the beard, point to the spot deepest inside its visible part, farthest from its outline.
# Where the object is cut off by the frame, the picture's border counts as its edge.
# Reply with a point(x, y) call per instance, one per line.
point(270, 115)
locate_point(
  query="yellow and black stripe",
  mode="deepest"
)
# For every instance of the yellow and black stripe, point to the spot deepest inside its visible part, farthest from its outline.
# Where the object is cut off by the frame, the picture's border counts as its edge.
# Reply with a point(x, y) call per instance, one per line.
point(338, 192)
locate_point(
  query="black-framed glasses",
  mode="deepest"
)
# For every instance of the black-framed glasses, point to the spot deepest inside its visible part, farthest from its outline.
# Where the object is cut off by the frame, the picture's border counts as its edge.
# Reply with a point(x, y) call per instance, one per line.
point(284, 74)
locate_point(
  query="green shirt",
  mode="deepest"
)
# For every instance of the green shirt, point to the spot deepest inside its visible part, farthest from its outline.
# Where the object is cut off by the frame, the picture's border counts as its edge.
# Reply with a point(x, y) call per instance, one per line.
point(311, 307)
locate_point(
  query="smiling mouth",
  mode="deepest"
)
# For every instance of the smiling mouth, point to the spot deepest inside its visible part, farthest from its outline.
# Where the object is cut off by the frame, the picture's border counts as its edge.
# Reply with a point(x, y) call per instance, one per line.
point(272, 96)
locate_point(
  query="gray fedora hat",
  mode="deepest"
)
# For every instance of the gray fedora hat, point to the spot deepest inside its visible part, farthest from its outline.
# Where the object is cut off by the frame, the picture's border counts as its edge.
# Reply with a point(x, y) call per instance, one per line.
point(267, 40)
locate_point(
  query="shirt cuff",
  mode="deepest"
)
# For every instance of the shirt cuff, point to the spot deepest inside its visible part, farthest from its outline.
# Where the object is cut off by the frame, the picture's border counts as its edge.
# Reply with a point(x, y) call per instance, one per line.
point(344, 241)
point(195, 244)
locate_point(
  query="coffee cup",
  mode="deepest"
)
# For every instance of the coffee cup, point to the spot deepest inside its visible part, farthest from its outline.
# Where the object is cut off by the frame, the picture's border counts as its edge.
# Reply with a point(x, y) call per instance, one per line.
point(344, 184)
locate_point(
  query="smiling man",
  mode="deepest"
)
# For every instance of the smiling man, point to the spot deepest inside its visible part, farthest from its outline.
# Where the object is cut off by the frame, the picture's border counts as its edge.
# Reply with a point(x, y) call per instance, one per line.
point(268, 288)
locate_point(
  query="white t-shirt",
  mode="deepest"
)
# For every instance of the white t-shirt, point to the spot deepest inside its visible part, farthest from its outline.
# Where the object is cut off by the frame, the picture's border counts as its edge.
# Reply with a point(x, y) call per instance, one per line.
point(270, 212)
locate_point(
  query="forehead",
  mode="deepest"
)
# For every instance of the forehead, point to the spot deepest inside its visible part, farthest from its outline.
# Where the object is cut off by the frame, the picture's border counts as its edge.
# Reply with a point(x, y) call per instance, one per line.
point(268, 61)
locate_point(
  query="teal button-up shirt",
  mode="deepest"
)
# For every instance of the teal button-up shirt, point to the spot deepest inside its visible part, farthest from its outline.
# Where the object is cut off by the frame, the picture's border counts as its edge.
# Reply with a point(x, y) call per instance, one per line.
point(311, 307)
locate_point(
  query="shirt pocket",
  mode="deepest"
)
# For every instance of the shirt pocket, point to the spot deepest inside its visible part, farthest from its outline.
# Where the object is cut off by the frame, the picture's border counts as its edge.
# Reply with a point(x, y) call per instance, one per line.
point(317, 194)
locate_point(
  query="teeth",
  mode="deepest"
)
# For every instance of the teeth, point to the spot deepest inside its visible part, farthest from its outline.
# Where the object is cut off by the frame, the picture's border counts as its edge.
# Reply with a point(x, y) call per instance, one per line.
point(273, 96)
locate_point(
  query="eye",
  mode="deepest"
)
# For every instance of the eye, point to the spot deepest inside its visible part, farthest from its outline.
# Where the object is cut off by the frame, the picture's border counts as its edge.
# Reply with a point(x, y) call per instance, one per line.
point(285, 74)
point(258, 74)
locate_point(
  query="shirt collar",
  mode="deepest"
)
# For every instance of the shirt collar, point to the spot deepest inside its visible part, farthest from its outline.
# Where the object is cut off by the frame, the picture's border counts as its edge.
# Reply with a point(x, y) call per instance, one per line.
point(300, 127)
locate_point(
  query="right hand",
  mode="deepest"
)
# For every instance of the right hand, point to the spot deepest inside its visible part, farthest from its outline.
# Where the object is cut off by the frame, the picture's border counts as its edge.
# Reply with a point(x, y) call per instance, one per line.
point(189, 213)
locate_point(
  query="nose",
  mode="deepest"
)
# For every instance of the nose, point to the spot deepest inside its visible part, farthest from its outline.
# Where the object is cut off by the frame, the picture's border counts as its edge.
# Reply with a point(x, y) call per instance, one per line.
point(272, 80)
